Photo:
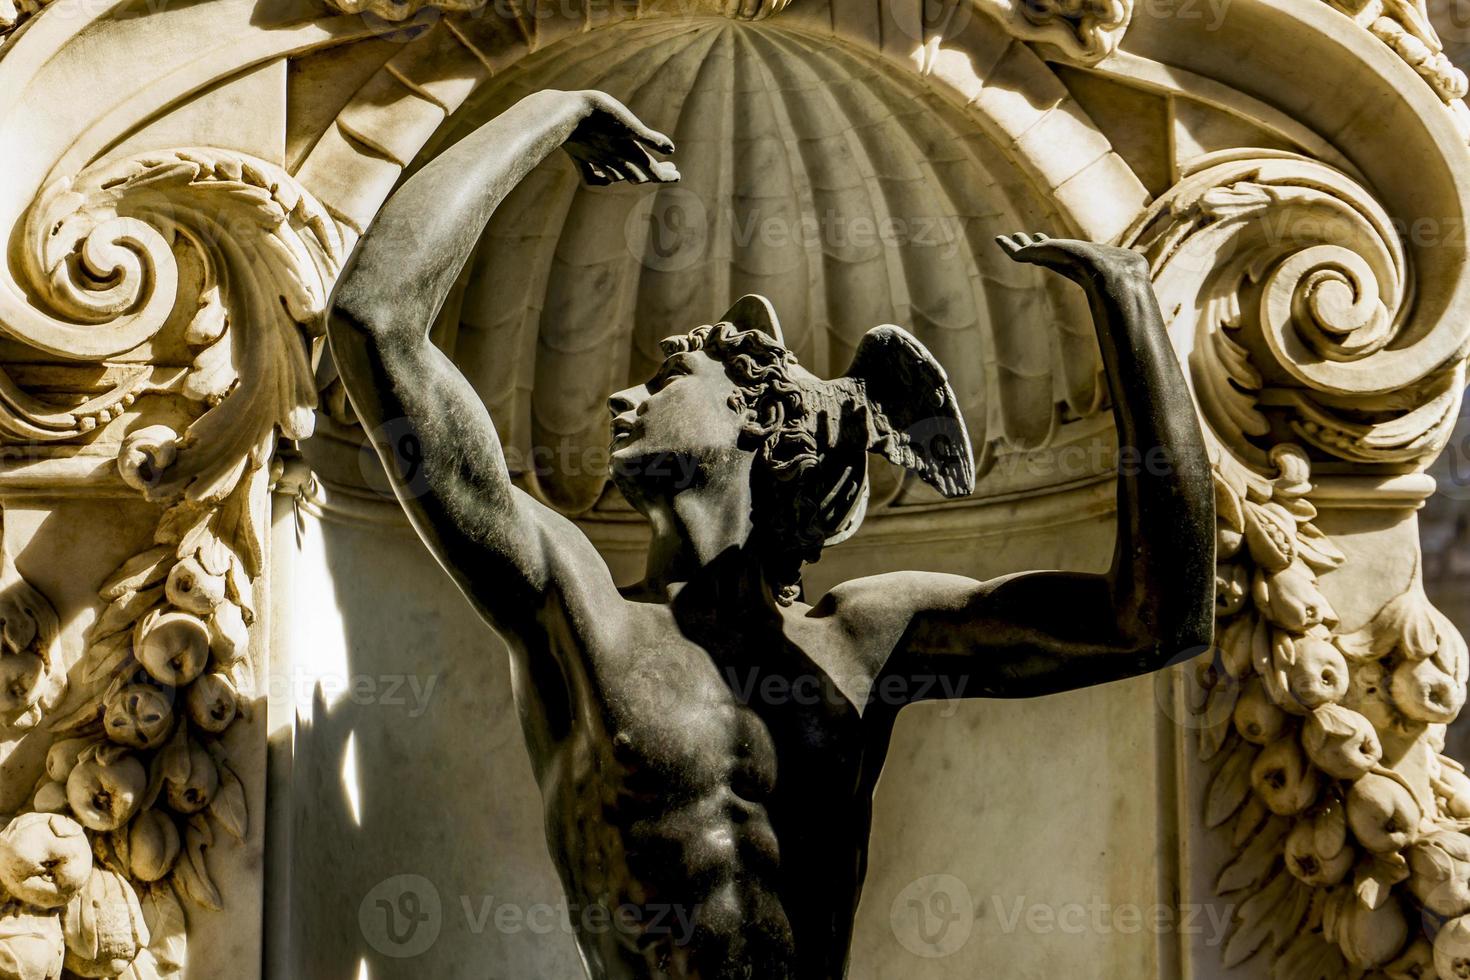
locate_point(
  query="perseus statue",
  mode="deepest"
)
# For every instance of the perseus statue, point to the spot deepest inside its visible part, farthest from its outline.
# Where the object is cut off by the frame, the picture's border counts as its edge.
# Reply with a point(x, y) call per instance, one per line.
point(668, 778)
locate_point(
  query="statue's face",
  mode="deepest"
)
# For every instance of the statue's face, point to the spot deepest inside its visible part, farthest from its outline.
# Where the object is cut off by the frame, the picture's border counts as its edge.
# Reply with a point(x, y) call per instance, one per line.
point(677, 430)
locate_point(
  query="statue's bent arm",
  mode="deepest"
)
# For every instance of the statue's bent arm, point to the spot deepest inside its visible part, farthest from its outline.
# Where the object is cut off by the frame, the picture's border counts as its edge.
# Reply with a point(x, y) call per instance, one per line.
point(1041, 632)
point(506, 551)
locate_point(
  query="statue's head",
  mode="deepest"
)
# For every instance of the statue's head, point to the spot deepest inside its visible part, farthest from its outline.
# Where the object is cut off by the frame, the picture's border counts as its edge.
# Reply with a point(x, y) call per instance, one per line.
point(730, 405)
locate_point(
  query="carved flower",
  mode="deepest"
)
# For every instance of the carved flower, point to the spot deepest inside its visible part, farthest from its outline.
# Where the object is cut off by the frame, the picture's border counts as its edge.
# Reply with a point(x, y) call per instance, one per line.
point(1282, 778)
point(211, 702)
point(190, 776)
point(152, 845)
point(138, 715)
point(1320, 674)
point(30, 944)
point(1382, 813)
point(103, 795)
point(1291, 599)
point(44, 859)
point(1341, 742)
point(1317, 849)
point(172, 646)
point(103, 926)
point(1440, 872)
point(1424, 692)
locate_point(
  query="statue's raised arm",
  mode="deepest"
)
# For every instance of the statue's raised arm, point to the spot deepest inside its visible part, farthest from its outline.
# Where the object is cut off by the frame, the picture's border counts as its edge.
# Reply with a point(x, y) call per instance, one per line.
point(1040, 632)
point(506, 551)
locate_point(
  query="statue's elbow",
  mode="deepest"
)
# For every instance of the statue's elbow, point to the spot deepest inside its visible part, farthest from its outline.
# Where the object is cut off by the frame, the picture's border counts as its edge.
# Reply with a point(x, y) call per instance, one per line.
point(1172, 629)
point(1186, 634)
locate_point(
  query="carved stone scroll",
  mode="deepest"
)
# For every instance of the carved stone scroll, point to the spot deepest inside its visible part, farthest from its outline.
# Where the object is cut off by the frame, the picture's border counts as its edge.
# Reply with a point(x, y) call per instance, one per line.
point(1290, 290)
point(138, 782)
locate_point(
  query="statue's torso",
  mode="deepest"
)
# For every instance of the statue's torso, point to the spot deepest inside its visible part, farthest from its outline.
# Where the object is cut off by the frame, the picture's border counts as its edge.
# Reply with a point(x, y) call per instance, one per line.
point(707, 803)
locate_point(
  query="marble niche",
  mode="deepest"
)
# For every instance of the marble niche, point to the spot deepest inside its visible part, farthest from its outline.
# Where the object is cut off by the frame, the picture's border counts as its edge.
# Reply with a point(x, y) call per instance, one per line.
point(337, 788)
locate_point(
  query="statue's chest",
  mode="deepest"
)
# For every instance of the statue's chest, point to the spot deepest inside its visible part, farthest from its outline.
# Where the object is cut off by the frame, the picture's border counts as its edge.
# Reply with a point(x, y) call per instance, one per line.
point(677, 718)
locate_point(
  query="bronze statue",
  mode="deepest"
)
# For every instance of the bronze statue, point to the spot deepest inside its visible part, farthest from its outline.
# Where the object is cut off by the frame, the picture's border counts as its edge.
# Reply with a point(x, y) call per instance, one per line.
point(706, 742)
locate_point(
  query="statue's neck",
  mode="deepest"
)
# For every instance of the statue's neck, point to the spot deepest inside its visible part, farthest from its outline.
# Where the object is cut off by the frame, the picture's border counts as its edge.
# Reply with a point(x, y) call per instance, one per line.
point(706, 538)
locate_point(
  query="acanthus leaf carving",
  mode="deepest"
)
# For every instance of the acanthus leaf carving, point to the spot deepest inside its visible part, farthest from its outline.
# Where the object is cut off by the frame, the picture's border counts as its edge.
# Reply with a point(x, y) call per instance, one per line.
point(1405, 27)
point(1322, 745)
point(1300, 290)
point(139, 768)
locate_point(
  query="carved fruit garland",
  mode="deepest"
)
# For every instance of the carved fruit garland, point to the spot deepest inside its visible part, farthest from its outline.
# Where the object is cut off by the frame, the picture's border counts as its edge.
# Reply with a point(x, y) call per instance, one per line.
point(1338, 853)
point(138, 784)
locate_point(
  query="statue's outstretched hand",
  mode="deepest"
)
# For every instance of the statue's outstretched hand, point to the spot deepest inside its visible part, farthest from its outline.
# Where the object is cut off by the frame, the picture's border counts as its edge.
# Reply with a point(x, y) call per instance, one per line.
point(1074, 259)
point(611, 144)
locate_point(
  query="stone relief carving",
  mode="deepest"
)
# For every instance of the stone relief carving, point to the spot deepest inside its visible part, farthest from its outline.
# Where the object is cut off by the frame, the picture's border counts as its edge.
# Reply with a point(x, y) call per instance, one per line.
point(32, 677)
point(1323, 268)
point(14, 13)
point(1404, 25)
point(1324, 745)
point(138, 783)
point(1353, 429)
point(1084, 30)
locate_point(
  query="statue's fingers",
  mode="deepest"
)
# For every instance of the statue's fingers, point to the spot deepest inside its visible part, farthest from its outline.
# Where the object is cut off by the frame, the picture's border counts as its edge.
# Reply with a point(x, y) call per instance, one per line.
point(655, 139)
point(664, 171)
point(635, 171)
point(1041, 236)
point(593, 175)
point(1007, 245)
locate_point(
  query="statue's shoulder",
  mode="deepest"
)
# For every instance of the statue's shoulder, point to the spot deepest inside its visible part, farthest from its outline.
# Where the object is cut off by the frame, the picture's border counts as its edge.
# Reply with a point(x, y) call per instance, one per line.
point(877, 598)
point(877, 610)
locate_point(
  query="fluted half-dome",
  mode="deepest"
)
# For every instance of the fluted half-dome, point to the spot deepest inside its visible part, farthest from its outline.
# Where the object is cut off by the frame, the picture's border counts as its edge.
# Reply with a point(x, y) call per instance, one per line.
point(829, 180)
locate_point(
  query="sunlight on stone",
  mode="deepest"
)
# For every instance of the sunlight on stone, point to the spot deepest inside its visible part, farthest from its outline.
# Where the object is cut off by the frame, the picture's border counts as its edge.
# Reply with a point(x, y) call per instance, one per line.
point(351, 785)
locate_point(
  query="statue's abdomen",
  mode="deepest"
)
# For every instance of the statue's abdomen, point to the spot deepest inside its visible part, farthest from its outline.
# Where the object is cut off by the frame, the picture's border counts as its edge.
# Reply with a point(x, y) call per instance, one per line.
point(656, 818)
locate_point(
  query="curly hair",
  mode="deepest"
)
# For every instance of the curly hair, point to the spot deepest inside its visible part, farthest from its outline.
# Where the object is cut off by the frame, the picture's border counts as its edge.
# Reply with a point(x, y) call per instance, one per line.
point(786, 482)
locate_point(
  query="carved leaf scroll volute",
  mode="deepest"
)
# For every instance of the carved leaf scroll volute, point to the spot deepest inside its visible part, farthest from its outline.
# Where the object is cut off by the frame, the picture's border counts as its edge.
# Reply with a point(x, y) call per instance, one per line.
point(138, 770)
point(1288, 285)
